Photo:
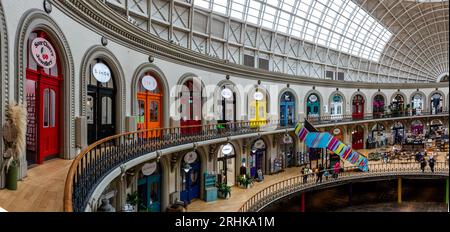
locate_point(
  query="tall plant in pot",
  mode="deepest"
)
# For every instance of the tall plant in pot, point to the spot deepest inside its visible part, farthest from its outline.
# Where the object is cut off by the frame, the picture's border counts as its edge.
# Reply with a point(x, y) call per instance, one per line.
point(14, 137)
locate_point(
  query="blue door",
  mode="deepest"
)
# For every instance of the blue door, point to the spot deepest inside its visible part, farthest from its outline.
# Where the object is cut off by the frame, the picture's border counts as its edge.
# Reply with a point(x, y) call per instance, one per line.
point(149, 190)
point(287, 113)
point(256, 163)
point(191, 183)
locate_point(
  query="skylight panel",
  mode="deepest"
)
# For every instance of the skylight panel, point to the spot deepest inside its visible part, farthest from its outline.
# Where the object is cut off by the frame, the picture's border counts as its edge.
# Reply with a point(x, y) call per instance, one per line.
point(238, 9)
point(338, 24)
point(220, 6)
point(202, 3)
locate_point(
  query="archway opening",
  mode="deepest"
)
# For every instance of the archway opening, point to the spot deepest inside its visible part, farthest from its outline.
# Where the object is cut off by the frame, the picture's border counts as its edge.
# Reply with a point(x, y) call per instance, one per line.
point(257, 158)
point(190, 174)
point(358, 107)
point(101, 107)
point(398, 106)
point(258, 107)
point(191, 107)
point(358, 138)
point(226, 104)
point(149, 187)
point(313, 106)
point(226, 165)
point(417, 104)
point(378, 106)
point(398, 133)
point(377, 137)
point(150, 102)
point(287, 109)
point(44, 81)
point(337, 107)
point(437, 103)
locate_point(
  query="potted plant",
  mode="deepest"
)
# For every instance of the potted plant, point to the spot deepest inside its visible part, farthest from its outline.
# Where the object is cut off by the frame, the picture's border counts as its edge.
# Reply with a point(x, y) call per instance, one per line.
point(245, 182)
point(14, 136)
point(224, 191)
point(132, 202)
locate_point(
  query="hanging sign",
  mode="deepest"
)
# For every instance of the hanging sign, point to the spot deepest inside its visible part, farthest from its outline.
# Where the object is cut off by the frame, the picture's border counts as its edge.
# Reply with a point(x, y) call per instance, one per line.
point(337, 131)
point(101, 73)
point(227, 149)
point(190, 157)
point(287, 139)
point(227, 93)
point(260, 144)
point(43, 53)
point(149, 168)
point(313, 98)
point(258, 96)
point(149, 83)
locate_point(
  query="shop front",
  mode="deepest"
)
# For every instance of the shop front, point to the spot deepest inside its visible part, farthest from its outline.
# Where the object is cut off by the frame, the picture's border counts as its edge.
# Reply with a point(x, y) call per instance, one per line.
point(191, 107)
point(398, 133)
point(226, 104)
point(398, 105)
point(338, 134)
point(258, 107)
point(358, 107)
point(337, 107)
point(190, 171)
point(377, 137)
point(358, 138)
point(417, 104)
point(417, 127)
point(150, 98)
point(226, 165)
point(287, 154)
point(436, 127)
point(149, 188)
point(313, 106)
point(257, 160)
point(436, 103)
point(287, 109)
point(378, 106)
point(43, 99)
point(100, 101)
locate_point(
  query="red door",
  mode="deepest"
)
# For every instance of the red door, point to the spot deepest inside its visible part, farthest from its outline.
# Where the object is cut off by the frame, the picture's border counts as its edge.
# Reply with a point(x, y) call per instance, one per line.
point(49, 121)
point(43, 94)
point(358, 107)
point(358, 140)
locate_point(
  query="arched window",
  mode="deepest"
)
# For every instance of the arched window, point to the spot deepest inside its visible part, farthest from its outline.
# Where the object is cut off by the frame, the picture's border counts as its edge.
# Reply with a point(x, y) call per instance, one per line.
point(226, 104)
point(417, 104)
point(378, 106)
point(358, 107)
point(313, 106)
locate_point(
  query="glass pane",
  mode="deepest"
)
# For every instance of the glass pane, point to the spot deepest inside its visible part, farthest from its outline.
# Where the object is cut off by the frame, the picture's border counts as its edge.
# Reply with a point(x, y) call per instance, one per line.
point(154, 111)
point(141, 105)
point(90, 104)
point(46, 108)
point(106, 111)
point(31, 135)
point(154, 190)
point(52, 108)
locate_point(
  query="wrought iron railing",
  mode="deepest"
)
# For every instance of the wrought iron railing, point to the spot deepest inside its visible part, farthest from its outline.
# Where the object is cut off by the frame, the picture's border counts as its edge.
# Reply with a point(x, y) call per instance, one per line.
point(297, 184)
point(354, 118)
point(99, 159)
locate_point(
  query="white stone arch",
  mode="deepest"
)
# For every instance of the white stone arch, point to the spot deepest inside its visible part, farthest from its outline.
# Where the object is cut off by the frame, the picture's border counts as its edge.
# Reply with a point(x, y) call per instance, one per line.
point(319, 95)
point(444, 102)
point(296, 100)
point(424, 99)
point(100, 52)
point(159, 75)
point(39, 20)
point(366, 102)
point(217, 96)
point(344, 101)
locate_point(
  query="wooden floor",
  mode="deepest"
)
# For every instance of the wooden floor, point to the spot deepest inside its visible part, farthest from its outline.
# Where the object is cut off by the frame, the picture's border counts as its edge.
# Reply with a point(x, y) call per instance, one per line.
point(41, 191)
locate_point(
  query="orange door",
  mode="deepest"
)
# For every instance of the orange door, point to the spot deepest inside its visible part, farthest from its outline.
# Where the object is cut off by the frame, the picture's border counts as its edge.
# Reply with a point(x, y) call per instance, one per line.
point(149, 109)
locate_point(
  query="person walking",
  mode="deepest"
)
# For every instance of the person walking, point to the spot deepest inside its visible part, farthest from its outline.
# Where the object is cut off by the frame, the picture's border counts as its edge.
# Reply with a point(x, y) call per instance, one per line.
point(305, 175)
point(385, 158)
point(431, 162)
point(423, 164)
point(336, 170)
point(320, 174)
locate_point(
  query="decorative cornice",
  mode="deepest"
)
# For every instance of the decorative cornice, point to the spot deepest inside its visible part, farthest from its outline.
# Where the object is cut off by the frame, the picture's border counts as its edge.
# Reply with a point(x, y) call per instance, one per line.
point(101, 19)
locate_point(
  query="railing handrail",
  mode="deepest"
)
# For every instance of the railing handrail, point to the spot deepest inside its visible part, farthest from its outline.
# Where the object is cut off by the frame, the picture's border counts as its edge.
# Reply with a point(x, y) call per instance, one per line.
point(296, 181)
point(69, 185)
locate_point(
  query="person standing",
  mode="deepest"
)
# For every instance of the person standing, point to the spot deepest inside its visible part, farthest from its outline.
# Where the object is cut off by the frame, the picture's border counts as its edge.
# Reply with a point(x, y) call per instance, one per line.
point(305, 175)
point(431, 162)
point(320, 174)
point(423, 164)
point(336, 170)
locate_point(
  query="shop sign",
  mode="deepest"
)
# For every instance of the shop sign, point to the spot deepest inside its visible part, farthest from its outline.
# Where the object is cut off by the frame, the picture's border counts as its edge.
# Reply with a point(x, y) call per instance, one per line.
point(190, 157)
point(149, 83)
point(260, 144)
point(287, 139)
point(313, 98)
point(227, 149)
point(337, 131)
point(43, 53)
point(258, 96)
point(101, 73)
point(227, 93)
point(149, 168)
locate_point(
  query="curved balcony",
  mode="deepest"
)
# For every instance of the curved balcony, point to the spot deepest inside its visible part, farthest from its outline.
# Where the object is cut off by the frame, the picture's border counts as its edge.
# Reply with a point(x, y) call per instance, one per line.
point(98, 160)
point(351, 119)
point(377, 171)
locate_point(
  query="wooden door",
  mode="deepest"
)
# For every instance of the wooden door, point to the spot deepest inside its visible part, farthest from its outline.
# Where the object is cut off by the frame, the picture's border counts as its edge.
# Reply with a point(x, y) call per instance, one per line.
point(49, 121)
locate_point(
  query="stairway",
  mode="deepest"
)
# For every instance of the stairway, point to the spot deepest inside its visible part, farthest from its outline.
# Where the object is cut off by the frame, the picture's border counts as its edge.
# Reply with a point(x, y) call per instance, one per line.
point(314, 139)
